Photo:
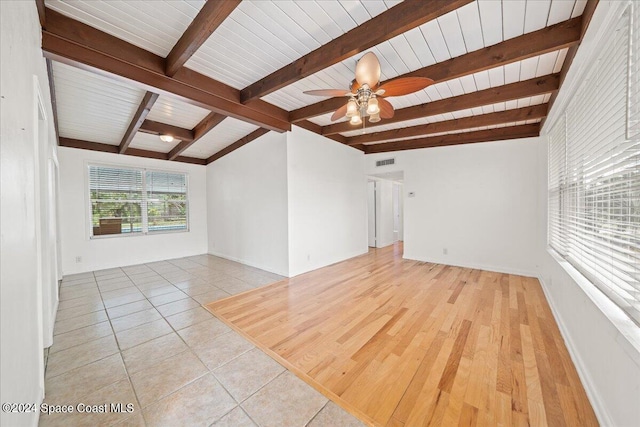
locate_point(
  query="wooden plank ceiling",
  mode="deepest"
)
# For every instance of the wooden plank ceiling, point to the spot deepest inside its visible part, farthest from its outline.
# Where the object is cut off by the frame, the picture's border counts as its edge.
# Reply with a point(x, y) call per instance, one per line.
point(217, 74)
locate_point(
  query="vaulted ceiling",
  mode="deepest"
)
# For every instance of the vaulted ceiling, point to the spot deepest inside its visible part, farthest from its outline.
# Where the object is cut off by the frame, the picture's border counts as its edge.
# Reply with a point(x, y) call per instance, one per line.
point(217, 74)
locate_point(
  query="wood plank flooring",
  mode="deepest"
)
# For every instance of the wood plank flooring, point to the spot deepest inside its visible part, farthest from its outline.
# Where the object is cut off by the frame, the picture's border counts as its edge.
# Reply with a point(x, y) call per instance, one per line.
point(407, 343)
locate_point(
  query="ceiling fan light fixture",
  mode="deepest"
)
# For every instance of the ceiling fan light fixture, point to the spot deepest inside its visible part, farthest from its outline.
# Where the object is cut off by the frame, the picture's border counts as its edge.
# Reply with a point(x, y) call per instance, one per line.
point(166, 138)
point(372, 106)
point(352, 108)
point(367, 96)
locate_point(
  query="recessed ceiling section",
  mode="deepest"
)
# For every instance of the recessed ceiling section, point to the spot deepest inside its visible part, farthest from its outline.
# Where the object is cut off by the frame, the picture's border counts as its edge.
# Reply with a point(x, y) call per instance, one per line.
point(92, 107)
point(152, 25)
point(176, 113)
point(260, 37)
point(146, 141)
point(226, 133)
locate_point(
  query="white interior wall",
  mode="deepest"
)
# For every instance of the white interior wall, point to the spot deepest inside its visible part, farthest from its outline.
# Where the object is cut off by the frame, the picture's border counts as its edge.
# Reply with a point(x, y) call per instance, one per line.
point(477, 201)
point(107, 252)
point(327, 201)
point(24, 190)
point(247, 204)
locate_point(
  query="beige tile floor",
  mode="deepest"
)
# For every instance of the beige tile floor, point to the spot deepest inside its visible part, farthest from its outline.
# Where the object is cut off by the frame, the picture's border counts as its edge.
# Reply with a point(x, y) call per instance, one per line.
point(139, 335)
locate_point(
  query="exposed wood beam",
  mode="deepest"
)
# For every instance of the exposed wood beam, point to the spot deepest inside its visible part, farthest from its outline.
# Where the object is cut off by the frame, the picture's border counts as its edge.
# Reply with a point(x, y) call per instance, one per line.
point(586, 16)
point(108, 148)
point(397, 20)
point(310, 126)
point(146, 153)
point(72, 42)
point(537, 86)
point(239, 143)
point(555, 37)
point(585, 19)
point(512, 132)
point(87, 145)
point(212, 14)
point(508, 116)
point(157, 128)
point(42, 13)
point(317, 109)
point(140, 115)
point(212, 120)
point(187, 137)
point(54, 103)
point(200, 130)
point(192, 160)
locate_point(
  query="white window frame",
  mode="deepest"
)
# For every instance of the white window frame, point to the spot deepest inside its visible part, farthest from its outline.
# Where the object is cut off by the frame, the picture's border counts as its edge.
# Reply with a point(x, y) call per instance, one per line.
point(144, 214)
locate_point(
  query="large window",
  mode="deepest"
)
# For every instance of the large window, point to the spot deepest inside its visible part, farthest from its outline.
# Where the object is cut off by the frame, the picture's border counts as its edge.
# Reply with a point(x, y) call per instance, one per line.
point(134, 201)
point(594, 174)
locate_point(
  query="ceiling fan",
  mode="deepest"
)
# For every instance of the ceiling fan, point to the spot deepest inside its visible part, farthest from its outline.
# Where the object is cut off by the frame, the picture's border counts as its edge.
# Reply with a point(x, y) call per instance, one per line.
point(366, 96)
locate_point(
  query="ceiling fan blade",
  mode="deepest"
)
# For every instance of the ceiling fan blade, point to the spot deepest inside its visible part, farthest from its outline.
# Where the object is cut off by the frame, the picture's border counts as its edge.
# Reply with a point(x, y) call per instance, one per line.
point(328, 92)
point(368, 70)
point(354, 86)
point(386, 109)
point(405, 86)
point(340, 113)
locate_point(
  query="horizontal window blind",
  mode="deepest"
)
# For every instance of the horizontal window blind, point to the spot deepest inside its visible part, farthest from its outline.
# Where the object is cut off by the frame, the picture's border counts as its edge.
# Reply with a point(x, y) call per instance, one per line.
point(594, 177)
point(129, 201)
point(166, 201)
point(557, 182)
point(116, 200)
point(633, 121)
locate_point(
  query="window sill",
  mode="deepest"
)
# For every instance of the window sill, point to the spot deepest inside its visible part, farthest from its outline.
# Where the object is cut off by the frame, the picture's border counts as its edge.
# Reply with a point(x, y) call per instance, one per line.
point(628, 335)
point(140, 234)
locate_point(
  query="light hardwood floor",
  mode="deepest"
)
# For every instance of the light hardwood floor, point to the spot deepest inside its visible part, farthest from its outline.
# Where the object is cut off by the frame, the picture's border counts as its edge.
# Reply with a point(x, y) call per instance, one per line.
point(407, 343)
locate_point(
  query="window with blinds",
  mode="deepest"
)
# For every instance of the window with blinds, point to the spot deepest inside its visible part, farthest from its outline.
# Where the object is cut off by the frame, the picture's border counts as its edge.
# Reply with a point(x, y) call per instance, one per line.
point(133, 201)
point(166, 201)
point(594, 174)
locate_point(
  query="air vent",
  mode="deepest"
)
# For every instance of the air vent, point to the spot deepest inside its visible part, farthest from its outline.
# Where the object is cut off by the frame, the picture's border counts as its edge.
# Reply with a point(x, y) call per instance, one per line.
point(385, 162)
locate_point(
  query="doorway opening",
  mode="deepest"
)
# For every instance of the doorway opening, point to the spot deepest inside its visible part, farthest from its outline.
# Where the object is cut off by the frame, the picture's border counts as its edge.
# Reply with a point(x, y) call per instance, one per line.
point(385, 205)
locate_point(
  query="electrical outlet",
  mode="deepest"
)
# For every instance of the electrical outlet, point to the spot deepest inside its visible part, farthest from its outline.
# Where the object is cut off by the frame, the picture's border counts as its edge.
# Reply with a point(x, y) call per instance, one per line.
point(445, 251)
point(78, 259)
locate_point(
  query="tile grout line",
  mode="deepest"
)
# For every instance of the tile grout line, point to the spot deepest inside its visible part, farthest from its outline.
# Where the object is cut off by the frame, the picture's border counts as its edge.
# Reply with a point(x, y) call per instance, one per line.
point(122, 360)
point(182, 339)
point(316, 414)
point(210, 371)
point(163, 318)
point(145, 298)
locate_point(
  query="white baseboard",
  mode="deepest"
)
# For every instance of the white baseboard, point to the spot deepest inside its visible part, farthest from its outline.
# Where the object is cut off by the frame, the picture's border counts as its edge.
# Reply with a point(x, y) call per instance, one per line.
point(249, 263)
point(327, 263)
point(53, 319)
point(485, 267)
point(583, 372)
